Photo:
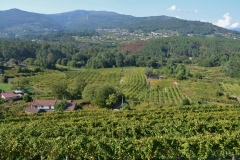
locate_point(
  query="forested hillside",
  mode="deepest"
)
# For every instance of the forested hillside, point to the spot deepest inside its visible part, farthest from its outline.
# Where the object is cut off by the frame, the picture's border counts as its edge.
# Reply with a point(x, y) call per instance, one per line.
point(154, 53)
point(16, 23)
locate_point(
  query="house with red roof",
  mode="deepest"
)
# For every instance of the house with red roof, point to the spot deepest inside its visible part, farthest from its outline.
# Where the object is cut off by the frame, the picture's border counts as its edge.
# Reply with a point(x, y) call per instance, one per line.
point(38, 106)
point(10, 95)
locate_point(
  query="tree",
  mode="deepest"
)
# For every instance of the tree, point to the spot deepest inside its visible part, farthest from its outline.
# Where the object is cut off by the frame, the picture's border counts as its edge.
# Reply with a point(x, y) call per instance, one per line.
point(180, 76)
point(1, 115)
point(119, 59)
point(112, 100)
point(76, 88)
point(59, 89)
point(125, 106)
point(28, 61)
point(89, 91)
point(12, 61)
point(148, 71)
point(185, 101)
point(64, 61)
point(102, 96)
point(72, 63)
point(27, 98)
point(23, 82)
point(60, 106)
point(19, 69)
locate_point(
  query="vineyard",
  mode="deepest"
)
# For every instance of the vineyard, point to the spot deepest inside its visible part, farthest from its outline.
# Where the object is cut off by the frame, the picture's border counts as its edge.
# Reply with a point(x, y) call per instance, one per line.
point(167, 133)
point(232, 89)
point(168, 95)
point(133, 83)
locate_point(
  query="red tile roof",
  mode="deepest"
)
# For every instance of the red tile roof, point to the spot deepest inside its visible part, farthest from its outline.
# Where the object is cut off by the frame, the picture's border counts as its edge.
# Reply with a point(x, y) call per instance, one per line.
point(10, 95)
point(44, 102)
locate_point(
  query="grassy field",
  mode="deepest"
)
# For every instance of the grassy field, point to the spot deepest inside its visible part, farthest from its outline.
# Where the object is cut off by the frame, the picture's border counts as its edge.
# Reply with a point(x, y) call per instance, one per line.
point(5, 87)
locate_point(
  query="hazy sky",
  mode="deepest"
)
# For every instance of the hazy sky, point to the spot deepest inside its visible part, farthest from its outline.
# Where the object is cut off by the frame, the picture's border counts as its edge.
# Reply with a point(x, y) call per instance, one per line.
point(225, 13)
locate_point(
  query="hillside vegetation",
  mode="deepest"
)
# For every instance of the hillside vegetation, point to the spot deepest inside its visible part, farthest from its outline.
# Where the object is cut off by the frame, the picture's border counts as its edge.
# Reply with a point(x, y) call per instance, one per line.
point(164, 98)
point(168, 133)
point(17, 23)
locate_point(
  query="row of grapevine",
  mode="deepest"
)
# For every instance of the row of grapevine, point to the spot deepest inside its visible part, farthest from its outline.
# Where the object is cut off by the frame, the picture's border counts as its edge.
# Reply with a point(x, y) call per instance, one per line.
point(95, 76)
point(133, 84)
point(167, 133)
point(168, 95)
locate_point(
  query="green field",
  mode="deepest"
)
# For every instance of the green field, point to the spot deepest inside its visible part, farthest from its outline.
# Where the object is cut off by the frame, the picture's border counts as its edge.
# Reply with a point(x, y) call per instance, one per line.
point(5, 87)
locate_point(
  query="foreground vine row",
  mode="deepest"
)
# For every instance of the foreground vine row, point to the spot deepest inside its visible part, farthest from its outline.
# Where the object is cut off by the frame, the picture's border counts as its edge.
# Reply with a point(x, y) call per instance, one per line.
point(167, 133)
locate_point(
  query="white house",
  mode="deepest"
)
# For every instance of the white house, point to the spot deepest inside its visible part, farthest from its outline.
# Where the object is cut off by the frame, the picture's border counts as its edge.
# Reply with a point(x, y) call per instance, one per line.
point(44, 104)
point(38, 106)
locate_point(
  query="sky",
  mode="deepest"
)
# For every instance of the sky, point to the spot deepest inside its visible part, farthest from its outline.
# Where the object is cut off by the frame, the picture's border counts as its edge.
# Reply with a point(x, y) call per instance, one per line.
point(224, 13)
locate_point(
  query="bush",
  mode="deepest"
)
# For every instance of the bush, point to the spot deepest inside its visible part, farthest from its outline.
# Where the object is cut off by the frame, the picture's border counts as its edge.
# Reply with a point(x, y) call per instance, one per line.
point(185, 101)
point(219, 93)
point(3, 79)
point(198, 76)
point(61, 106)
point(125, 106)
point(100, 95)
point(27, 98)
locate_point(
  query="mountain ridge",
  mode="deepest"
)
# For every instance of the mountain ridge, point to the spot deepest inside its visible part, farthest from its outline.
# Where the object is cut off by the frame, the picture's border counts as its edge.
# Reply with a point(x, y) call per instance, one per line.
point(18, 22)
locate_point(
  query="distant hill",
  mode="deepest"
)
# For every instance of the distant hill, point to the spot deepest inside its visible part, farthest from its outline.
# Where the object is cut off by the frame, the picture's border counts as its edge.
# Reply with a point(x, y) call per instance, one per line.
point(236, 29)
point(16, 23)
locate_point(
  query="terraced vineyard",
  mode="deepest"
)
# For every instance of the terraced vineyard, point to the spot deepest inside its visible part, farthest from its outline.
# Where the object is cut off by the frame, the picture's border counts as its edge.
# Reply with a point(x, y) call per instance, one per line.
point(96, 76)
point(135, 85)
point(232, 89)
point(168, 95)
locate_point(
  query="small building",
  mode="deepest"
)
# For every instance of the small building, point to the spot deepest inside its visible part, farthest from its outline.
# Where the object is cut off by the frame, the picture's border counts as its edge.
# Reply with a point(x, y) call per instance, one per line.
point(44, 104)
point(153, 76)
point(10, 95)
point(38, 106)
point(161, 77)
point(19, 92)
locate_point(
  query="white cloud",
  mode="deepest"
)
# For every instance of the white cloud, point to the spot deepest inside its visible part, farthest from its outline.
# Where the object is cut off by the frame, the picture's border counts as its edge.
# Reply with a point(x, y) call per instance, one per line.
point(177, 17)
point(235, 25)
point(226, 22)
point(173, 8)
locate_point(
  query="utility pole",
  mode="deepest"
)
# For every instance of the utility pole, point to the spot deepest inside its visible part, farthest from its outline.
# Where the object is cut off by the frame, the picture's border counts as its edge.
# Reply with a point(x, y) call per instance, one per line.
point(122, 100)
point(148, 91)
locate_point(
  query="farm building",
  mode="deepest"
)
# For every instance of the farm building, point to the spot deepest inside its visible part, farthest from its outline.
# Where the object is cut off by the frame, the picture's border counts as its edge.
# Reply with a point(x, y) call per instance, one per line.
point(38, 106)
point(19, 92)
point(155, 76)
point(10, 95)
